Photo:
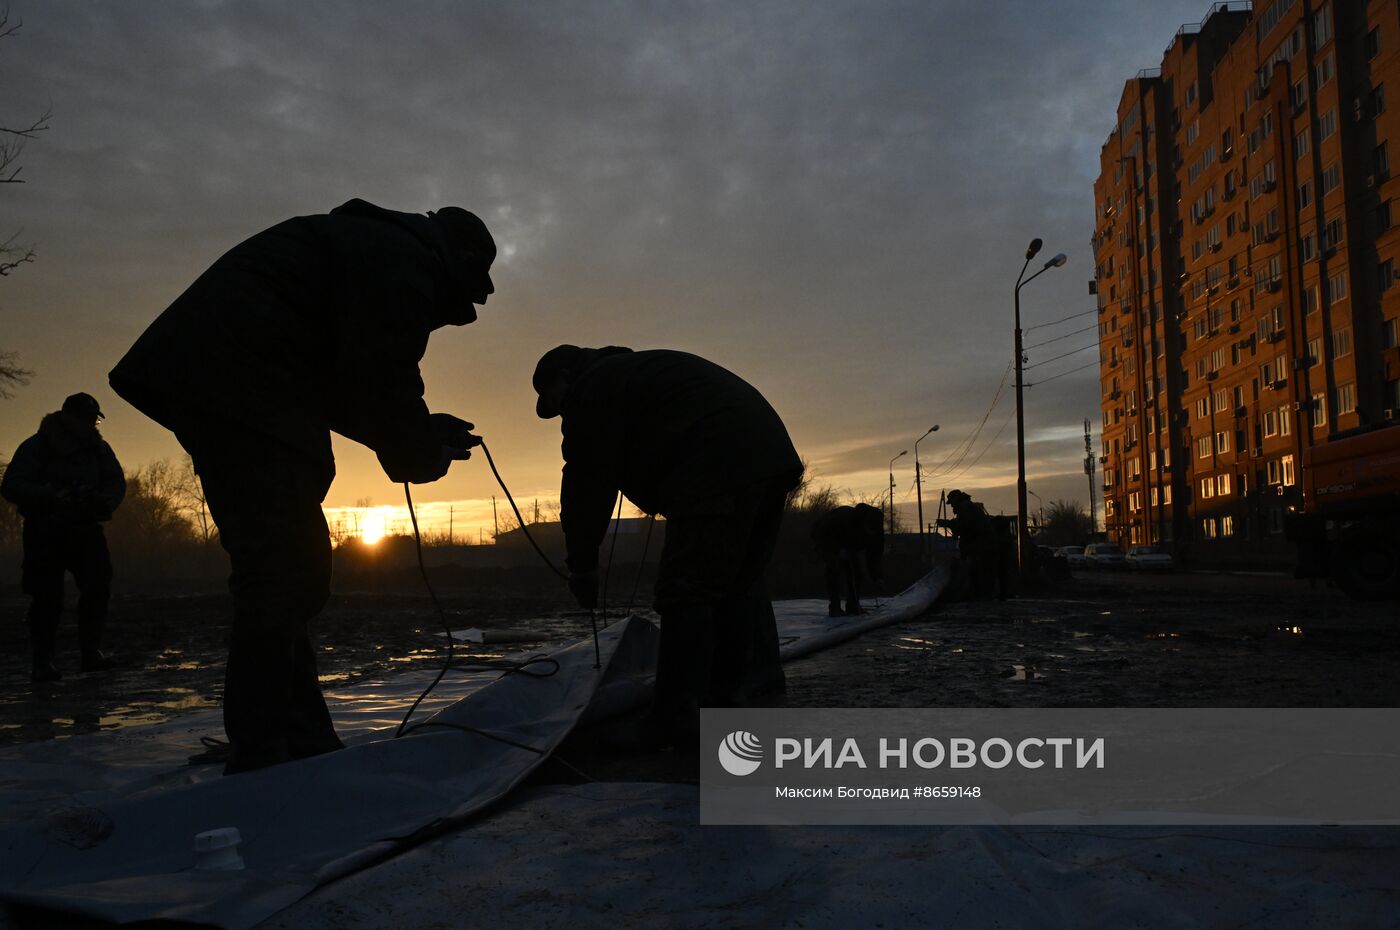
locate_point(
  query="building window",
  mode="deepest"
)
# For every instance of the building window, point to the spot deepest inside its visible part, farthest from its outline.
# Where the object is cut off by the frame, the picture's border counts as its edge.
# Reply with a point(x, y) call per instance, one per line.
point(1273, 472)
point(1222, 485)
point(1337, 287)
point(1222, 442)
point(1285, 422)
point(1300, 144)
point(1304, 194)
point(1331, 178)
point(1327, 125)
point(1314, 351)
point(1382, 161)
point(1270, 424)
point(1340, 342)
point(1390, 333)
point(1319, 410)
point(1385, 275)
point(1227, 525)
point(1208, 527)
point(1309, 299)
point(1383, 216)
point(1307, 247)
point(1321, 28)
point(1333, 234)
point(1202, 408)
point(1207, 488)
point(1377, 99)
point(1322, 72)
point(1372, 44)
point(1346, 398)
point(1203, 447)
point(1287, 463)
point(1299, 94)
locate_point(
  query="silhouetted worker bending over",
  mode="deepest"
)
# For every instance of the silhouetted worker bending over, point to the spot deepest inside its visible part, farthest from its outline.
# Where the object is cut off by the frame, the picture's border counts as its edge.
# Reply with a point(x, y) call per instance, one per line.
point(843, 537)
point(978, 544)
point(314, 326)
point(66, 482)
point(682, 437)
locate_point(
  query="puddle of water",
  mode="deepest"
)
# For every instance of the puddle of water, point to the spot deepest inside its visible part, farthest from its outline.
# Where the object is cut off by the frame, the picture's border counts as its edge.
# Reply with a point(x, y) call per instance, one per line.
point(1023, 673)
point(1291, 630)
point(338, 676)
point(1164, 636)
point(915, 644)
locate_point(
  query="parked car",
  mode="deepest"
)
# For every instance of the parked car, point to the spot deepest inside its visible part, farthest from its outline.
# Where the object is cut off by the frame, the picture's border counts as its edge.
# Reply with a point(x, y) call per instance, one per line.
point(1074, 555)
point(1149, 559)
point(1104, 555)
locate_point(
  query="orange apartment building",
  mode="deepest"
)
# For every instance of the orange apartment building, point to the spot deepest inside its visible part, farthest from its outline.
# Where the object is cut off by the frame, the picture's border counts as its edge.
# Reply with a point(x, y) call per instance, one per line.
point(1245, 254)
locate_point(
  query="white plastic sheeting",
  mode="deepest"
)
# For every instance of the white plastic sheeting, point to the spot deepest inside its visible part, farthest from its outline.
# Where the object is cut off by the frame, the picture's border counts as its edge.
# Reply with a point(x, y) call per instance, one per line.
point(109, 835)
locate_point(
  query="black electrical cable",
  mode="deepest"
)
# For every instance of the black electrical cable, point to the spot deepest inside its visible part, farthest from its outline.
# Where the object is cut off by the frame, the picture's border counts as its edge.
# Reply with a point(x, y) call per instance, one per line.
point(506, 668)
point(592, 617)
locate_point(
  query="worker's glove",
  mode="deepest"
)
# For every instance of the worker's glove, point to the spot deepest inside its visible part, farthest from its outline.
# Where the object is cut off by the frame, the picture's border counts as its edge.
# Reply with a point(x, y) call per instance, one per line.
point(455, 434)
point(584, 587)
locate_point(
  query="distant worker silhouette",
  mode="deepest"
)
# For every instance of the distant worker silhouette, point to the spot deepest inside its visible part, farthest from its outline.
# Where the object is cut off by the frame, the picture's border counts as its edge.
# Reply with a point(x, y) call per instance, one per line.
point(844, 536)
point(314, 326)
point(682, 437)
point(66, 482)
point(978, 544)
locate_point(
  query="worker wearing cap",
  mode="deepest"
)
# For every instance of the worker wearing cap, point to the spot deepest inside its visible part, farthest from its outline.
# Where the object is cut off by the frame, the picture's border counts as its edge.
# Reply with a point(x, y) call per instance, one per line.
point(977, 541)
point(681, 437)
point(316, 325)
point(66, 482)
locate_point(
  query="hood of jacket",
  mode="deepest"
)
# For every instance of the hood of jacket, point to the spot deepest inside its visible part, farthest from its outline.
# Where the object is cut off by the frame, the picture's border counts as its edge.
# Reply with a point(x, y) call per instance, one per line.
point(456, 311)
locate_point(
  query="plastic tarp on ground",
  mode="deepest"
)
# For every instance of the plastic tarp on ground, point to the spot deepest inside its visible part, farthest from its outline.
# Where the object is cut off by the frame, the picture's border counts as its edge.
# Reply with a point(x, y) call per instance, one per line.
point(631, 855)
point(111, 836)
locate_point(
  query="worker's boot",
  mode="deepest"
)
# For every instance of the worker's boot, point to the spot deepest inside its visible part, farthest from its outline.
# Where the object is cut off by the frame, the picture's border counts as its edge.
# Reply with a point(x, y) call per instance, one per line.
point(43, 633)
point(90, 638)
point(833, 609)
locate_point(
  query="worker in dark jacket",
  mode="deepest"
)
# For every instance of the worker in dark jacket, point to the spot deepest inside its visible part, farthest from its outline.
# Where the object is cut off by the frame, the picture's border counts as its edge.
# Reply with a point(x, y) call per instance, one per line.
point(66, 482)
point(314, 326)
point(681, 437)
point(844, 536)
point(978, 545)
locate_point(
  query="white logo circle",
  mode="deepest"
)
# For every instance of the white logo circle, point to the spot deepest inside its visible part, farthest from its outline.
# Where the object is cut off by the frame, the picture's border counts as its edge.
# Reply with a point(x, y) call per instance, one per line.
point(741, 753)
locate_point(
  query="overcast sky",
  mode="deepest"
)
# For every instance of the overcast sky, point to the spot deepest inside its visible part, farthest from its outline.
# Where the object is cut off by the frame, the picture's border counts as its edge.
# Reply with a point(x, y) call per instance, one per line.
point(830, 199)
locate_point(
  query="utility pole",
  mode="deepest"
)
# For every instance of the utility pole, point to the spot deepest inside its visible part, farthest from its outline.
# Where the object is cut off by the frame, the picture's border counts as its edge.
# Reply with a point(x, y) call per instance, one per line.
point(450, 509)
point(1089, 470)
point(495, 524)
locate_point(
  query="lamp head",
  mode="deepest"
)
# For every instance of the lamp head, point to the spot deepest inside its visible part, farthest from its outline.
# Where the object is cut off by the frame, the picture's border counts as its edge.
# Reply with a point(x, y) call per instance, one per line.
point(1057, 261)
point(1033, 248)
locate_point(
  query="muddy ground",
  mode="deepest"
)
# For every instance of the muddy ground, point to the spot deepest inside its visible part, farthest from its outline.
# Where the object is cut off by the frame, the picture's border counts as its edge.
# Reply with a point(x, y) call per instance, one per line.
point(1094, 640)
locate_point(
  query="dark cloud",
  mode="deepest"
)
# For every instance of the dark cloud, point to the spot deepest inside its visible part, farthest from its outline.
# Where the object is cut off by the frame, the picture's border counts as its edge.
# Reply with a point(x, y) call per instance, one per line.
point(829, 197)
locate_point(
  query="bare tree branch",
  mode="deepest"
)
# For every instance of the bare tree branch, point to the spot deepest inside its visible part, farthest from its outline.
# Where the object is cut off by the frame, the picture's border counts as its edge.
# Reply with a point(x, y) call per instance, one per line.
point(12, 254)
point(12, 375)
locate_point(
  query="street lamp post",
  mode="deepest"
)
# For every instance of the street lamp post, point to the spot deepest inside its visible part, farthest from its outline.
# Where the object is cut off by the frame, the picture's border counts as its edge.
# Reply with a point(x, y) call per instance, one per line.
point(892, 461)
point(1021, 534)
point(1040, 509)
point(919, 479)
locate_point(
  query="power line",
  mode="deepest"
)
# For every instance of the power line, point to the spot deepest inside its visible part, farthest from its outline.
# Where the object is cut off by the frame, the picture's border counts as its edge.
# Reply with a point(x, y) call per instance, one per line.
point(966, 445)
point(1056, 358)
point(991, 442)
point(1062, 320)
point(1075, 332)
point(1071, 371)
